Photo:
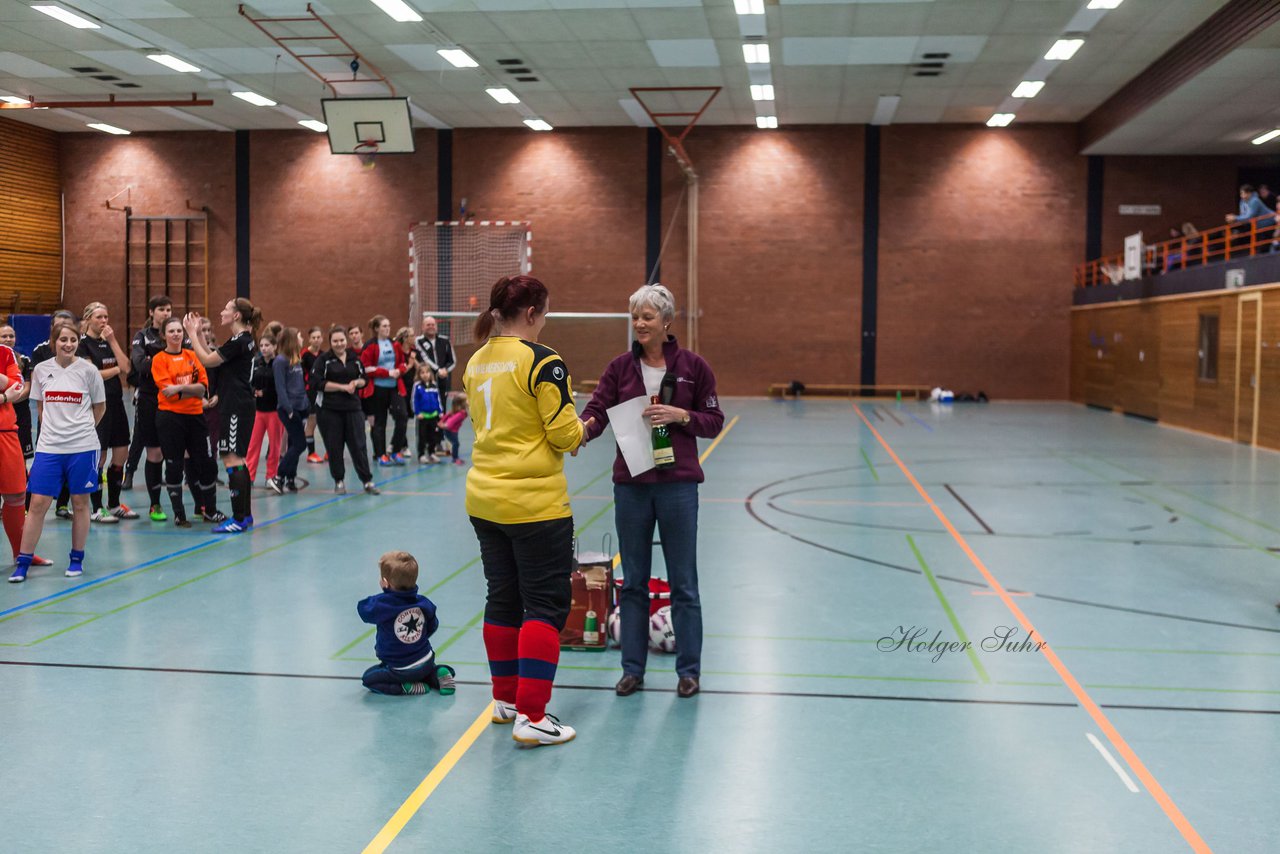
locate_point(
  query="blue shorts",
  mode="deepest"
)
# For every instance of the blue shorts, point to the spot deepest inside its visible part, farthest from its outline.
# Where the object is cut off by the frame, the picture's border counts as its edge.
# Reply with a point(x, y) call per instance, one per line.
point(49, 471)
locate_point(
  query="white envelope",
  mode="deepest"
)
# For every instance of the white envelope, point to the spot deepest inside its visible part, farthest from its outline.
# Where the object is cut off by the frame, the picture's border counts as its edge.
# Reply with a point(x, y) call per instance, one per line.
point(633, 434)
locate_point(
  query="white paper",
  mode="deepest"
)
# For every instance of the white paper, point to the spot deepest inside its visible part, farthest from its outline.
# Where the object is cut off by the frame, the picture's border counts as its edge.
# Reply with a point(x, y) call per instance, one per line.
point(633, 434)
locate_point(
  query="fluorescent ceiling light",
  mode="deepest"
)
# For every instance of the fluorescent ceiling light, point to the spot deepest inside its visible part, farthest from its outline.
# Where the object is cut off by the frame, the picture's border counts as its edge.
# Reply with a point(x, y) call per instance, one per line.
point(1028, 89)
point(537, 124)
point(1064, 49)
point(762, 92)
point(458, 58)
point(1104, 4)
point(14, 99)
point(398, 10)
point(312, 124)
point(503, 96)
point(886, 106)
point(766, 122)
point(255, 99)
point(109, 128)
point(756, 54)
point(1266, 137)
point(67, 17)
point(172, 62)
point(748, 7)
point(1000, 120)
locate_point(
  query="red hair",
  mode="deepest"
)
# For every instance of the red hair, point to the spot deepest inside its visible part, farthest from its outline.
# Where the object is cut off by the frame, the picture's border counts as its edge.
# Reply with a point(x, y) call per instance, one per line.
point(509, 298)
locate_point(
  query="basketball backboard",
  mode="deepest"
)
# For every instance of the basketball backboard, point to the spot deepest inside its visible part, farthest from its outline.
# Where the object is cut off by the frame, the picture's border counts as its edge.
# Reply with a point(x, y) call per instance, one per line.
point(384, 121)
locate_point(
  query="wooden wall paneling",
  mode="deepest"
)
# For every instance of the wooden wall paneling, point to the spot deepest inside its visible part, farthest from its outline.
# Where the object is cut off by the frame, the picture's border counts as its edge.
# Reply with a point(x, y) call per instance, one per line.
point(1248, 362)
point(1269, 375)
point(1137, 360)
point(1100, 359)
point(30, 217)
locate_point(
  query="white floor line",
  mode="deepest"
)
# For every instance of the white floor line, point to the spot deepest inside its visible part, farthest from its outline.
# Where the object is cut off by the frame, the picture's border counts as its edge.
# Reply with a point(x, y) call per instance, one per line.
point(1111, 760)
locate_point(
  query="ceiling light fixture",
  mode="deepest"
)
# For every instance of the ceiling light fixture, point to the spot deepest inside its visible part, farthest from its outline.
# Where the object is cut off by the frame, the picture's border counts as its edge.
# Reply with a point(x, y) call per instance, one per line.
point(1064, 49)
point(762, 92)
point(458, 58)
point(756, 54)
point(748, 7)
point(398, 10)
point(1267, 137)
point(1000, 120)
point(312, 124)
point(1028, 89)
point(537, 124)
point(503, 96)
point(109, 128)
point(255, 99)
point(14, 99)
point(170, 61)
point(766, 122)
point(67, 17)
point(1104, 4)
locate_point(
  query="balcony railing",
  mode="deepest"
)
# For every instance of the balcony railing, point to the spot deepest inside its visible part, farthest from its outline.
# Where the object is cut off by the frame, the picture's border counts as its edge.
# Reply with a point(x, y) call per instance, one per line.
point(1236, 240)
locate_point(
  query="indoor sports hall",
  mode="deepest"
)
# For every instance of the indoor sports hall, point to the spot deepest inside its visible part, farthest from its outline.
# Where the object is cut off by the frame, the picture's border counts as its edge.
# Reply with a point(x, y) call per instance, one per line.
point(940, 337)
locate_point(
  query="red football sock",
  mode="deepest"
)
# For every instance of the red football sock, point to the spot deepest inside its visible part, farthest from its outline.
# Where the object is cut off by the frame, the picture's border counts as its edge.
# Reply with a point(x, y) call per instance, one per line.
point(501, 643)
point(14, 517)
point(539, 654)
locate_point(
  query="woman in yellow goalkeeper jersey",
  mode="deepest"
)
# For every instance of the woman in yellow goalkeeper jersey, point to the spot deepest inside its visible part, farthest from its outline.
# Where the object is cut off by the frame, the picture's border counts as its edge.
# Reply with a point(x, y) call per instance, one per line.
point(518, 501)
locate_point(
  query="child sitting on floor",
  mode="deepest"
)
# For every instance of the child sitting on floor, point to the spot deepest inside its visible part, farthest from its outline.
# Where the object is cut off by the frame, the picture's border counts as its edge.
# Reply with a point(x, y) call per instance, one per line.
point(405, 620)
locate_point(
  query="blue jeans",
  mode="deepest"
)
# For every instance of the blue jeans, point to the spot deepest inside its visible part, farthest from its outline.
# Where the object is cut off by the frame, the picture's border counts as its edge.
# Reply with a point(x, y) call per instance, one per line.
point(673, 507)
point(295, 426)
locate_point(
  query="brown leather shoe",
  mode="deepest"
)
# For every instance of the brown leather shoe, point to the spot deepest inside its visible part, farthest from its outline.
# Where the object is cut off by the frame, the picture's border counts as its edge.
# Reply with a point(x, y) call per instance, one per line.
point(628, 685)
point(688, 686)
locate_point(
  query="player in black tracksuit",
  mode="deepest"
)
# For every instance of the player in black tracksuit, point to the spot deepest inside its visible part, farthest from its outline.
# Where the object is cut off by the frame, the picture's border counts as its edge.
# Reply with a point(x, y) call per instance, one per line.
point(146, 344)
point(337, 377)
point(235, 358)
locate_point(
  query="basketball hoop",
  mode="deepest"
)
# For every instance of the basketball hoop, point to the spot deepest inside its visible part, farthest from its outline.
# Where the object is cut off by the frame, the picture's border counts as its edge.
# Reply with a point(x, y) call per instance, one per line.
point(366, 151)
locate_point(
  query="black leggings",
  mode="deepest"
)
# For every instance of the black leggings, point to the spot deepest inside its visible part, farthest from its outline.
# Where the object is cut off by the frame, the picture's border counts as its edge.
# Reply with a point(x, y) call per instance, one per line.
point(386, 400)
point(428, 435)
point(527, 567)
point(184, 435)
point(342, 427)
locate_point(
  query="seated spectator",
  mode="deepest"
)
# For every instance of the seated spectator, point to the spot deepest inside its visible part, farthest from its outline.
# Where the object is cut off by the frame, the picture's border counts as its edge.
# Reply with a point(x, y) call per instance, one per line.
point(1189, 243)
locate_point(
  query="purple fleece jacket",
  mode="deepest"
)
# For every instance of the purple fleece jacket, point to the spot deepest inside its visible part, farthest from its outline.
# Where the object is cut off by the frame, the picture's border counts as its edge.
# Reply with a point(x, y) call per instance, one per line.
point(695, 393)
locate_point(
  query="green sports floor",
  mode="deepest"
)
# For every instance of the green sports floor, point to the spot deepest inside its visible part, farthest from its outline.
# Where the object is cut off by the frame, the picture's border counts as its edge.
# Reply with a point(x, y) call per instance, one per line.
point(869, 572)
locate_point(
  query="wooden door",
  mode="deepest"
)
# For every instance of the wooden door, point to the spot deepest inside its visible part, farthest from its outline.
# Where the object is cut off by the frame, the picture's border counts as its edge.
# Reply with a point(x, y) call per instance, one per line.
point(1248, 367)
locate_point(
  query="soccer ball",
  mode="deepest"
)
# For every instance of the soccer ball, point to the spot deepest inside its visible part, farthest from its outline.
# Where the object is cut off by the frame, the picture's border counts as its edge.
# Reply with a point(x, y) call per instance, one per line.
point(614, 627)
point(662, 634)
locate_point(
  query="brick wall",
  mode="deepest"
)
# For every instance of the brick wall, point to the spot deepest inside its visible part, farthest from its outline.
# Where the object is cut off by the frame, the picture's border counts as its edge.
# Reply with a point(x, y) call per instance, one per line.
point(1200, 190)
point(978, 230)
point(330, 239)
point(162, 172)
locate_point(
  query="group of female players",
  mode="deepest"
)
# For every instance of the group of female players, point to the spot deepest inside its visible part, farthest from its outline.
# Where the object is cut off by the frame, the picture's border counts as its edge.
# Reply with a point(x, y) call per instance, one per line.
point(192, 399)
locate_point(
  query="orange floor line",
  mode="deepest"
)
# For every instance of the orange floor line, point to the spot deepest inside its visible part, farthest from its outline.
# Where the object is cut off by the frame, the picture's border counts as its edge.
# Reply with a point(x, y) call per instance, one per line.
point(1117, 741)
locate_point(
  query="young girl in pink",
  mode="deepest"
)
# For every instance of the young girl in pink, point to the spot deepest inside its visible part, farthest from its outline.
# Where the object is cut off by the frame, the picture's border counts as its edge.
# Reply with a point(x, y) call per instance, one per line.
point(451, 425)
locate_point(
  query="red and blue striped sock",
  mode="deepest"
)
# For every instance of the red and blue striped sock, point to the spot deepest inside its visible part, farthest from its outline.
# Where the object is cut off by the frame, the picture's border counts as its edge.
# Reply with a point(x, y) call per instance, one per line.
point(501, 644)
point(539, 655)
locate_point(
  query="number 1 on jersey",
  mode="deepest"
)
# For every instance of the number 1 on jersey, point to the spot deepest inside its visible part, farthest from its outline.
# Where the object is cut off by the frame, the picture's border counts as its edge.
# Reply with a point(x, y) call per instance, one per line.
point(487, 388)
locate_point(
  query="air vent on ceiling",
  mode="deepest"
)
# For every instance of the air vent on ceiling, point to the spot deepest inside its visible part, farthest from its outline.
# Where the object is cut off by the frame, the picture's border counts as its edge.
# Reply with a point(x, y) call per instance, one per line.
point(927, 73)
point(107, 77)
point(930, 65)
point(85, 69)
point(936, 56)
point(527, 79)
point(128, 86)
point(517, 71)
point(511, 62)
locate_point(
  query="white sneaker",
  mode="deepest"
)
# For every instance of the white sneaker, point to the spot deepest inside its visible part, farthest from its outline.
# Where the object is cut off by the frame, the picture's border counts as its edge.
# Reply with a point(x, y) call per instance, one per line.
point(103, 517)
point(423, 459)
point(549, 730)
point(504, 713)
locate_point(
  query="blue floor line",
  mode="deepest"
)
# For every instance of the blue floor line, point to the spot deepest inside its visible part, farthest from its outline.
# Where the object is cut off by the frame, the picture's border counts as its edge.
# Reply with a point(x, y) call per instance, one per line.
point(923, 424)
point(189, 549)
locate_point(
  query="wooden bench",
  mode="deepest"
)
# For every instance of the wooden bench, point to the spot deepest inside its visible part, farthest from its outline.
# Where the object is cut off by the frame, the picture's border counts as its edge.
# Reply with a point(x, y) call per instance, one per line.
point(852, 390)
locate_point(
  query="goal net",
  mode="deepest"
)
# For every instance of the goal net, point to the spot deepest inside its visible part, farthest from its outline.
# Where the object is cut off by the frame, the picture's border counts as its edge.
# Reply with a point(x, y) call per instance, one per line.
point(453, 265)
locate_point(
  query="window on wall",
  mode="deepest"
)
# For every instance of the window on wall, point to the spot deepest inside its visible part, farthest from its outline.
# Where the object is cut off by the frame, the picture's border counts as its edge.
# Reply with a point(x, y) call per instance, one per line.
point(1207, 351)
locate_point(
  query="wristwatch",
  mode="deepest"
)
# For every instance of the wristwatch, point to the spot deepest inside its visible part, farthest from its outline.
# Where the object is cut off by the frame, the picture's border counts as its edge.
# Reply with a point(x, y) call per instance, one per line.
point(685, 422)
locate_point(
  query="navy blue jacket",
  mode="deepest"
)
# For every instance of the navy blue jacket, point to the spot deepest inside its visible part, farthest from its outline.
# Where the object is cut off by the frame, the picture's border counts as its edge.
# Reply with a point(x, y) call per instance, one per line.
point(406, 622)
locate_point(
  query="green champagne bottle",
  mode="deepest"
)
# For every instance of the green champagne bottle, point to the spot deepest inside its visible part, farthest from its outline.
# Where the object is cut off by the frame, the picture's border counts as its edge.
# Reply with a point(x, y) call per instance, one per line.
point(664, 456)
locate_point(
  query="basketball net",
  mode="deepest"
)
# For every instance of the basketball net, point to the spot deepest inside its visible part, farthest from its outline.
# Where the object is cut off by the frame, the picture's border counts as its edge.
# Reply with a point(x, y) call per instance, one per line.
point(366, 152)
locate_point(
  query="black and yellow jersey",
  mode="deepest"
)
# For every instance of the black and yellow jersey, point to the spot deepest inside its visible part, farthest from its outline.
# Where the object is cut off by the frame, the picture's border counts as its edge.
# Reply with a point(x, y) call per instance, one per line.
point(523, 415)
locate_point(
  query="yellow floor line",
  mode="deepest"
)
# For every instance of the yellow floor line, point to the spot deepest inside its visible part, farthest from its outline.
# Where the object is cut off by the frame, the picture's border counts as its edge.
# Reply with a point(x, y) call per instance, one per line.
point(414, 802)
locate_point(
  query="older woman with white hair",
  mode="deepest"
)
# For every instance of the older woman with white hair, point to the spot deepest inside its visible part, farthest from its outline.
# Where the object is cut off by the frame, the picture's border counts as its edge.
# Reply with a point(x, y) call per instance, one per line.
point(684, 387)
